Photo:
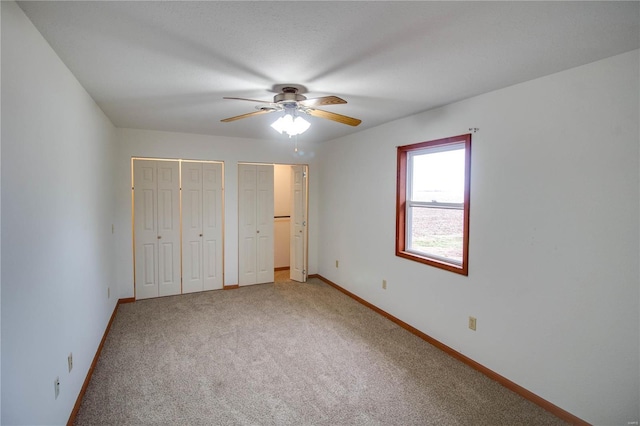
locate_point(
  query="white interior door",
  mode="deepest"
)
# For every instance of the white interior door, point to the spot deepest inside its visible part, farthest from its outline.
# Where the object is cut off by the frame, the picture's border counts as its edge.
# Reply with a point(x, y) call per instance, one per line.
point(192, 236)
point(168, 228)
point(145, 228)
point(247, 228)
point(265, 224)
point(255, 224)
point(201, 226)
point(156, 228)
point(298, 249)
point(212, 226)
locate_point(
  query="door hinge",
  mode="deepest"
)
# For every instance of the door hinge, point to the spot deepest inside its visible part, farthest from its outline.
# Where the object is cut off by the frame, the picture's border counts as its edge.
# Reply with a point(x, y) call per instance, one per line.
point(304, 223)
point(304, 174)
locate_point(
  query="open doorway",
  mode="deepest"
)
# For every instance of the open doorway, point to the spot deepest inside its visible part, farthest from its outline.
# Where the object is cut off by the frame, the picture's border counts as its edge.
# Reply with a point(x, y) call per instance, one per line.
point(272, 219)
point(290, 221)
point(281, 218)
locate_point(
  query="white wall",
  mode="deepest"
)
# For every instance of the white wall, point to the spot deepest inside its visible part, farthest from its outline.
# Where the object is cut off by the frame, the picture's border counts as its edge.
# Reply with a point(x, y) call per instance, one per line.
point(554, 235)
point(144, 143)
point(57, 198)
point(282, 190)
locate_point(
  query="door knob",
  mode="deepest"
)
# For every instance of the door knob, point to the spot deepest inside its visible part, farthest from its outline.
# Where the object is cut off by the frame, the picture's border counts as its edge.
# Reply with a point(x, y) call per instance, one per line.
point(201, 235)
point(159, 236)
point(257, 232)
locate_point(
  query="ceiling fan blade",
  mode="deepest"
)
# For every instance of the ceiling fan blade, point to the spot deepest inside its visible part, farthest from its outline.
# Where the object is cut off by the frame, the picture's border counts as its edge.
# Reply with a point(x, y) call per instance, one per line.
point(335, 117)
point(250, 114)
point(325, 100)
point(250, 100)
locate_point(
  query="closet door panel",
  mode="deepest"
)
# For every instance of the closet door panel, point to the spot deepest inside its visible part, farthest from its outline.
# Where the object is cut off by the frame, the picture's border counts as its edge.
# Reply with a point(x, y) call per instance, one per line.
point(212, 226)
point(145, 229)
point(264, 224)
point(192, 279)
point(169, 228)
point(247, 228)
point(177, 234)
point(298, 247)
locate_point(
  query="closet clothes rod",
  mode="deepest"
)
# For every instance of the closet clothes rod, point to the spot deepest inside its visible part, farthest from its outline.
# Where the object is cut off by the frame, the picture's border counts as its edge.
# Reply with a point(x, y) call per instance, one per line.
point(281, 217)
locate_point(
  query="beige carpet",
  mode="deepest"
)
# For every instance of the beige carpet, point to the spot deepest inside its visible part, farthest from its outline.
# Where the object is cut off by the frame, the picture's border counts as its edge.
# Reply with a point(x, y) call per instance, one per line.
point(284, 354)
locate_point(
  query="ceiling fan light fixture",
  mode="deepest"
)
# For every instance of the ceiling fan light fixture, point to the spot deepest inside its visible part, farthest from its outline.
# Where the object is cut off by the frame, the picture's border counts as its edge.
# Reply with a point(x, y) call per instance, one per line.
point(291, 126)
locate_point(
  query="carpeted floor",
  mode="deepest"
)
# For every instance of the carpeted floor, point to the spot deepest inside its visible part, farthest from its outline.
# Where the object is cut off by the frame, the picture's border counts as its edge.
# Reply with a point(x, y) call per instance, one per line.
point(284, 354)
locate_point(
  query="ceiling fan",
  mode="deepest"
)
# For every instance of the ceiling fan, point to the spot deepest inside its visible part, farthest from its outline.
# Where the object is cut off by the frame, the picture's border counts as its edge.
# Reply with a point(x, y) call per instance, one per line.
point(291, 102)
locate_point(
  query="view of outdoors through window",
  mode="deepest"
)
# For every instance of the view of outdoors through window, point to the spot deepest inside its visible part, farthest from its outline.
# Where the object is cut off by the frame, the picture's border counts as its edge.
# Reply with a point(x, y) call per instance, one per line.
point(435, 202)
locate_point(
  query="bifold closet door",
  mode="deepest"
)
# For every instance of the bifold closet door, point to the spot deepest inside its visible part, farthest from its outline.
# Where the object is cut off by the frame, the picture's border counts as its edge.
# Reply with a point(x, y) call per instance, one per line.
point(156, 228)
point(255, 220)
point(201, 226)
point(298, 243)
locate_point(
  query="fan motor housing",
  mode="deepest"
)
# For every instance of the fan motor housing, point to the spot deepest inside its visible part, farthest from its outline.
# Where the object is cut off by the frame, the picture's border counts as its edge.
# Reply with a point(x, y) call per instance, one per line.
point(289, 94)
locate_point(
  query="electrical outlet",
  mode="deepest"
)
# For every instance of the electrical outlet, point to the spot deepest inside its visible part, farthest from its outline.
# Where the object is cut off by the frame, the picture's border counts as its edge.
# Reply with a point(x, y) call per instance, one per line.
point(56, 386)
point(472, 323)
point(384, 284)
point(70, 361)
point(336, 263)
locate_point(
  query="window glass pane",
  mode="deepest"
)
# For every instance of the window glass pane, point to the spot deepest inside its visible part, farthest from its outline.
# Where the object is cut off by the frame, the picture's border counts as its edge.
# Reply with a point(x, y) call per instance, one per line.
point(438, 176)
point(438, 232)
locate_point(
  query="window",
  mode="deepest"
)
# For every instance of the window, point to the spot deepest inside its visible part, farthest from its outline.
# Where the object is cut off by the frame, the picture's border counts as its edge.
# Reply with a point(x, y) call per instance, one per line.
point(432, 207)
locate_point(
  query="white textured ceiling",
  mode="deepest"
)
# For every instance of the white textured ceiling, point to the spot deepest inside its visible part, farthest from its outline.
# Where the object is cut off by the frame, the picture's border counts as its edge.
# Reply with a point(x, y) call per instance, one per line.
point(167, 65)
